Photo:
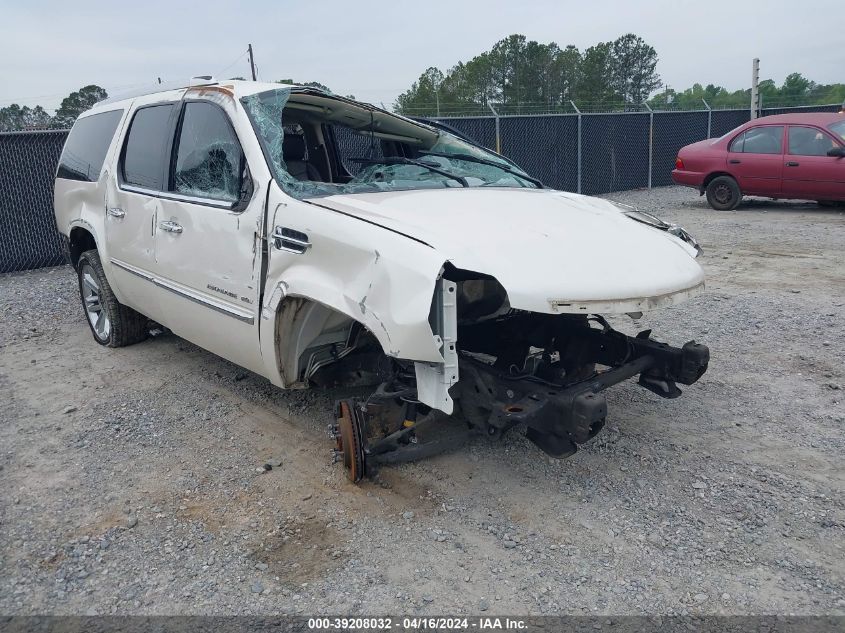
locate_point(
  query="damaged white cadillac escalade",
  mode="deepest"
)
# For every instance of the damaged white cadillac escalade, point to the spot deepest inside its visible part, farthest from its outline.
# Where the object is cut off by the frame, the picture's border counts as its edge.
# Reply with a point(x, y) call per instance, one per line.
point(318, 241)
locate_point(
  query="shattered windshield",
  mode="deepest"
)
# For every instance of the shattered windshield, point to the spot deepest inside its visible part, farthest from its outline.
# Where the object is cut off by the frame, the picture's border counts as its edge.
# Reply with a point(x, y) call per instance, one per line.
point(317, 145)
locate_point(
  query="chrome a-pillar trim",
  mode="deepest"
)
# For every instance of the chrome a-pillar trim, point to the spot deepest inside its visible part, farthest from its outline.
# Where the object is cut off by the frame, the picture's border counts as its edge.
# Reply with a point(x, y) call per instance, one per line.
point(186, 294)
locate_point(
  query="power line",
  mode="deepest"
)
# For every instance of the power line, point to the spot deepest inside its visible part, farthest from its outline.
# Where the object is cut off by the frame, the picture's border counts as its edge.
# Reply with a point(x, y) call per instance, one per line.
point(237, 59)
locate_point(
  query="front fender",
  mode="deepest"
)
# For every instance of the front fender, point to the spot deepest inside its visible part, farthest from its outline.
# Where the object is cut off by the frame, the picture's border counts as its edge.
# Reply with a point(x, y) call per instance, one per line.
point(377, 277)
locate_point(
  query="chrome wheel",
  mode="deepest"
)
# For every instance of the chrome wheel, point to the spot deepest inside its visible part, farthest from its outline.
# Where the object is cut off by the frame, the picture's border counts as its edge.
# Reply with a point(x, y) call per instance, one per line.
point(94, 308)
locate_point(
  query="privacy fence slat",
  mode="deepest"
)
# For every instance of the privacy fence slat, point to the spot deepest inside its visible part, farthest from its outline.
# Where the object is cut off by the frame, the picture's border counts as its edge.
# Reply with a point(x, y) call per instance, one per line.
point(28, 235)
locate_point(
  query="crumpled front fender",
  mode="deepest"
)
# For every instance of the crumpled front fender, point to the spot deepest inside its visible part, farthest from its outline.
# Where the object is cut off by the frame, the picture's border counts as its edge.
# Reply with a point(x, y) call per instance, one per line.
point(379, 278)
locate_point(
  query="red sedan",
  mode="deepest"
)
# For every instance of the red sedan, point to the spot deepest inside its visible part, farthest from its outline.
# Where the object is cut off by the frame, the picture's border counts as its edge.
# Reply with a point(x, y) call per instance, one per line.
point(798, 156)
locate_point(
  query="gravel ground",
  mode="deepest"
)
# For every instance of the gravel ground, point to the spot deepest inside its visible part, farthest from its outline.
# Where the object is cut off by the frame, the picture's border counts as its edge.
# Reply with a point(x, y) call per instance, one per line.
point(130, 486)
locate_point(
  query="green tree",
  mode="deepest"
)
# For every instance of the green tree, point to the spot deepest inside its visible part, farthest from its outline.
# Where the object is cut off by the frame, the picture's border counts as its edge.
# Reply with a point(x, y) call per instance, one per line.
point(595, 85)
point(565, 75)
point(310, 84)
point(518, 75)
point(76, 103)
point(795, 88)
point(14, 118)
point(632, 67)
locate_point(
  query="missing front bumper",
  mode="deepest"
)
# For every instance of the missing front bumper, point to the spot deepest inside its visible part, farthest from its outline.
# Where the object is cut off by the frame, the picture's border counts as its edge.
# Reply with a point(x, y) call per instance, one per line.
point(560, 417)
point(560, 400)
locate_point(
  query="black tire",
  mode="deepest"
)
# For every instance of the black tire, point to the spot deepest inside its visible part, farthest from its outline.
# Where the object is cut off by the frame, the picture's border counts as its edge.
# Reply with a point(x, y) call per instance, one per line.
point(831, 203)
point(723, 193)
point(112, 323)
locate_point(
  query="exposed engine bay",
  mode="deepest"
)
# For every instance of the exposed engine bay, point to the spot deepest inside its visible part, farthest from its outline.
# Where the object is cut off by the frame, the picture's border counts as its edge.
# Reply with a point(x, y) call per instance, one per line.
point(502, 368)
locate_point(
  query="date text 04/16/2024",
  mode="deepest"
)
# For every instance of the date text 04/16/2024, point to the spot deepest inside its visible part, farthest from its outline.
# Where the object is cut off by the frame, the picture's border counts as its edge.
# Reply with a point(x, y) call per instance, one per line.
point(418, 623)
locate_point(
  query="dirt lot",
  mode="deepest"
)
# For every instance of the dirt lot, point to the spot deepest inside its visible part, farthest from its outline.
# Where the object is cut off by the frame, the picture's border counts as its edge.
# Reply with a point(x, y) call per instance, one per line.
point(129, 480)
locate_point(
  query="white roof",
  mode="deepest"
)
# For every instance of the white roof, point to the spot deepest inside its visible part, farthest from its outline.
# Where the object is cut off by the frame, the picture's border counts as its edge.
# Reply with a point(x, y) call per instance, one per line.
point(239, 87)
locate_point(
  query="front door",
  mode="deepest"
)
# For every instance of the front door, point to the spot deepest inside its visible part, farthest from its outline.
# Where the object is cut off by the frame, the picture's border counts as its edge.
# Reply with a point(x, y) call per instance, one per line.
point(207, 238)
point(809, 173)
point(755, 159)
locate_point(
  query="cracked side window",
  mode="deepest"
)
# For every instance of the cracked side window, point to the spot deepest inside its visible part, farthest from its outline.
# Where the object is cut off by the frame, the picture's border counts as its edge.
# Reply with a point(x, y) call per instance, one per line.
point(209, 159)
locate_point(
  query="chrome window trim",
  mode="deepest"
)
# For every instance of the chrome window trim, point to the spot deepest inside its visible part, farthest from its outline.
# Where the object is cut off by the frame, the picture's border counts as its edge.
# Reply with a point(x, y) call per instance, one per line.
point(235, 314)
point(178, 197)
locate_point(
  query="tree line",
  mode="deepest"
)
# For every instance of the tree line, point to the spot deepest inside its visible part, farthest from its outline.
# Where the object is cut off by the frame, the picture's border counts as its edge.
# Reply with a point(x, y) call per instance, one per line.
point(518, 75)
point(796, 90)
point(16, 118)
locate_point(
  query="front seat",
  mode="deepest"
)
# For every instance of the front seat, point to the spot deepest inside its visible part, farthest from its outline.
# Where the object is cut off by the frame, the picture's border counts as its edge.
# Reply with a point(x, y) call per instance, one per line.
point(294, 154)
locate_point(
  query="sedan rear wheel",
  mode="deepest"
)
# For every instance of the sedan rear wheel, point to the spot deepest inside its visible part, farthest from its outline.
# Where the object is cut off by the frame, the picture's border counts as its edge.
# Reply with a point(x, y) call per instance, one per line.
point(723, 193)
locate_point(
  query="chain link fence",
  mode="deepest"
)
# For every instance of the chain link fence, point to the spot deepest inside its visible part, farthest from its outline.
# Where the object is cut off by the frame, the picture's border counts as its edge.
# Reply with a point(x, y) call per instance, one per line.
point(590, 153)
point(28, 163)
point(595, 153)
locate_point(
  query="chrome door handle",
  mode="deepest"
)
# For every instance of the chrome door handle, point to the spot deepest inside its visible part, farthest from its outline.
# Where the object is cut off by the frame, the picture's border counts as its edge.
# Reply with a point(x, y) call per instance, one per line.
point(286, 239)
point(170, 227)
point(116, 212)
point(792, 163)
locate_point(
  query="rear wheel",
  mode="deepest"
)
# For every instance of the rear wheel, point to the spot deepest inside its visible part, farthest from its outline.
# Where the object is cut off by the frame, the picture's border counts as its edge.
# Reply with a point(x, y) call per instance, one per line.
point(723, 193)
point(112, 323)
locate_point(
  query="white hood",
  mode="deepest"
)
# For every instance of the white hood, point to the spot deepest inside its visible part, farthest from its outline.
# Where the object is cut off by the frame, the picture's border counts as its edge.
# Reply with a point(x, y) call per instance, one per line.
point(552, 251)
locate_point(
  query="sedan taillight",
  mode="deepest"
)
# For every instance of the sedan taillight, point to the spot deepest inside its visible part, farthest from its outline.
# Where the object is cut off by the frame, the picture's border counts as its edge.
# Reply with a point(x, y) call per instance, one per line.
point(679, 164)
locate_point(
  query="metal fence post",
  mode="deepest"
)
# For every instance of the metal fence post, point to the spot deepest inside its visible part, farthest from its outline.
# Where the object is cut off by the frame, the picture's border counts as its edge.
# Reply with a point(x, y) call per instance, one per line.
point(498, 129)
point(579, 143)
point(650, 140)
point(709, 118)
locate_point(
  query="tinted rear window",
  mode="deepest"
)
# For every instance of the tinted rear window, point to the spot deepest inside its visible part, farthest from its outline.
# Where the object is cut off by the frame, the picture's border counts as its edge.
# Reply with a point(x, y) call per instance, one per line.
point(144, 155)
point(759, 140)
point(86, 146)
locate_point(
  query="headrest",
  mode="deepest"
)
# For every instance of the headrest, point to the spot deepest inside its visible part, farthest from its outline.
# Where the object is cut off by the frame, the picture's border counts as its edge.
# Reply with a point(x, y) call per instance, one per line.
point(293, 147)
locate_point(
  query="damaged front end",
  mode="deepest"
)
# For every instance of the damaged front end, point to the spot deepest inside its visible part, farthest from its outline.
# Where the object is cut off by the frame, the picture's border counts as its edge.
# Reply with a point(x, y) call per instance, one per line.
point(502, 368)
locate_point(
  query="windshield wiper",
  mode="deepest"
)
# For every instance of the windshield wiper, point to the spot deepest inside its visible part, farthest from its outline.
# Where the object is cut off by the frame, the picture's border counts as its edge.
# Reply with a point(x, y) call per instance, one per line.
point(401, 160)
point(475, 159)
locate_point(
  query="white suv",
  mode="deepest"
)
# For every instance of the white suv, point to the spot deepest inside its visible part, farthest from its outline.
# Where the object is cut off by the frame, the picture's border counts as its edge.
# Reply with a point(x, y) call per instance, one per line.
point(316, 240)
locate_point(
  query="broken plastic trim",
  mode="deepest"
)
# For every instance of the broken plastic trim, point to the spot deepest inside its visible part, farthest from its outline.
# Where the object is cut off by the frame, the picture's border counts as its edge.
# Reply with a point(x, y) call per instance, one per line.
point(435, 379)
point(652, 220)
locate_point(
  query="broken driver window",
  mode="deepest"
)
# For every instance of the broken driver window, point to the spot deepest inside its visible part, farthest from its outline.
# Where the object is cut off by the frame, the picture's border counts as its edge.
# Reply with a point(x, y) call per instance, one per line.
point(208, 158)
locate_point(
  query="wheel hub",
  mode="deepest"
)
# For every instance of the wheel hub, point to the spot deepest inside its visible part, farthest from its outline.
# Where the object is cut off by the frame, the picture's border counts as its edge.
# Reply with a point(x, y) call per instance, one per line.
point(350, 440)
point(723, 194)
point(92, 300)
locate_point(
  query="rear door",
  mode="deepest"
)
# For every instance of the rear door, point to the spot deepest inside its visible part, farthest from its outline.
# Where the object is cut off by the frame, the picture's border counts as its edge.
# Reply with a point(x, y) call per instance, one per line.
point(208, 236)
point(809, 173)
point(755, 158)
point(133, 205)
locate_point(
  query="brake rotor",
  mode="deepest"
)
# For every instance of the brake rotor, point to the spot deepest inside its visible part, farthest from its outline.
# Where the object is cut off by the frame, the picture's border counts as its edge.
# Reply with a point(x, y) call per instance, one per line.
point(350, 441)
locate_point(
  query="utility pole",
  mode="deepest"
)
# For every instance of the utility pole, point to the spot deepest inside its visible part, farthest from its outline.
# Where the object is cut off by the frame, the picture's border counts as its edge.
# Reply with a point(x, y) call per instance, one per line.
point(251, 62)
point(755, 91)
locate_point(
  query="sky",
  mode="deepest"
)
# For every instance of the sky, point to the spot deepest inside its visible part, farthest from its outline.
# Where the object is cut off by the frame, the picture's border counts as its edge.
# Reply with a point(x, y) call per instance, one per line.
point(376, 50)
